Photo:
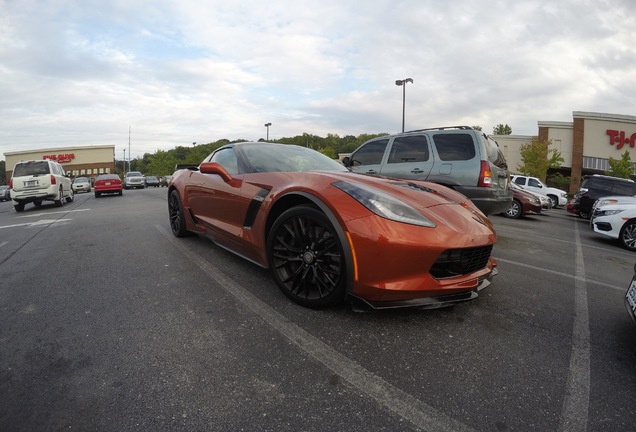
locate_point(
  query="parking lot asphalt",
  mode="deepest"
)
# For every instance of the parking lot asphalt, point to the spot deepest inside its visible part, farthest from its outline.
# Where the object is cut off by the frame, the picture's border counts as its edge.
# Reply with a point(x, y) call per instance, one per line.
point(109, 323)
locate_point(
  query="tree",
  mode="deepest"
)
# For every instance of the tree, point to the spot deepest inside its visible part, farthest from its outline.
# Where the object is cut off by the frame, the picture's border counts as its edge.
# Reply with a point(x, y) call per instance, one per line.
point(502, 129)
point(537, 157)
point(478, 128)
point(622, 167)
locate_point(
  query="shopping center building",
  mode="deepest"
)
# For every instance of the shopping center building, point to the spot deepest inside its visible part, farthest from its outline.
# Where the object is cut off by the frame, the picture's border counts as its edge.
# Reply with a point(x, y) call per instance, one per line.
point(586, 143)
point(88, 161)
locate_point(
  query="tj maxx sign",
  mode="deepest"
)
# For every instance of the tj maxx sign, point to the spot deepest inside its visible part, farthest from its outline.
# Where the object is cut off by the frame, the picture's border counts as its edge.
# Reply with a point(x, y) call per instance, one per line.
point(620, 138)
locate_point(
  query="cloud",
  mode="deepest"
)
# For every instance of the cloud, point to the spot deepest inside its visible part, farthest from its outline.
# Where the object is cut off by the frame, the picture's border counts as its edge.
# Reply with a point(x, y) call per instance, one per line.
point(82, 72)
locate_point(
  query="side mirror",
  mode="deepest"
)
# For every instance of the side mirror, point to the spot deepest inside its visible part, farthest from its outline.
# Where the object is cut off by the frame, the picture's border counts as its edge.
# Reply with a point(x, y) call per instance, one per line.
point(215, 168)
point(346, 161)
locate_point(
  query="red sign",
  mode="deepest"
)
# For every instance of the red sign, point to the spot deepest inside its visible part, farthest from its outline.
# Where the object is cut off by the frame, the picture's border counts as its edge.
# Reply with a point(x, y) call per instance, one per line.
point(620, 138)
point(61, 158)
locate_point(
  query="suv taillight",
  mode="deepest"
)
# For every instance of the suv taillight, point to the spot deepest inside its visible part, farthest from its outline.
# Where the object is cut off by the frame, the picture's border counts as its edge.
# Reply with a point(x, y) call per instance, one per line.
point(485, 175)
point(11, 184)
point(52, 179)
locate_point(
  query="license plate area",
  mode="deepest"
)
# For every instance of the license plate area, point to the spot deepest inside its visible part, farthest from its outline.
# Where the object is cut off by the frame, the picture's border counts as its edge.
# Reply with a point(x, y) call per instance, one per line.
point(31, 183)
point(107, 183)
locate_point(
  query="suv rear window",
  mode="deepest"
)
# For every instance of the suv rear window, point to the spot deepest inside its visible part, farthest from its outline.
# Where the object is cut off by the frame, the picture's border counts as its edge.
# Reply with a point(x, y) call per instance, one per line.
point(31, 168)
point(454, 147)
point(409, 149)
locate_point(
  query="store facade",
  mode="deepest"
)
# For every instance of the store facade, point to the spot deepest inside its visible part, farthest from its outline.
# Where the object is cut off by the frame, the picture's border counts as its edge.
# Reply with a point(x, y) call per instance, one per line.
point(586, 143)
point(88, 161)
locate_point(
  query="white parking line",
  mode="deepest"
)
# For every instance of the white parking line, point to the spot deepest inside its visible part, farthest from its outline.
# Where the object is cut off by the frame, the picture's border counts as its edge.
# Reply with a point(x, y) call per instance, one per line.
point(405, 405)
point(575, 411)
point(37, 223)
point(3, 243)
point(50, 213)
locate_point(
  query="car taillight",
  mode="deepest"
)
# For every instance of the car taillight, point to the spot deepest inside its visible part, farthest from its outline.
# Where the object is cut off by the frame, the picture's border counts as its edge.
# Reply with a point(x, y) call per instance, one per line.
point(485, 176)
point(52, 179)
point(11, 184)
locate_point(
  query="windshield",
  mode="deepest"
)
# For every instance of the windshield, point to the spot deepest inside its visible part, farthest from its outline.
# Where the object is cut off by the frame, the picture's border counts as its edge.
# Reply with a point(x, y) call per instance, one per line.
point(134, 174)
point(286, 158)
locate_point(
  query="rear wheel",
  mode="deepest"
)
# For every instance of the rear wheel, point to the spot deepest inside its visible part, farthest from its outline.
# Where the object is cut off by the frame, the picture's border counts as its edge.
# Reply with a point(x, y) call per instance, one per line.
point(37, 203)
point(60, 201)
point(19, 207)
point(306, 257)
point(98, 194)
point(628, 235)
point(177, 217)
point(514, 211)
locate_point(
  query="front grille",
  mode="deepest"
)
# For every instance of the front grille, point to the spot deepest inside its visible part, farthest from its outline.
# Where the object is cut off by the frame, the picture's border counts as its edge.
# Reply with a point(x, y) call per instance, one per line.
point(457, 262)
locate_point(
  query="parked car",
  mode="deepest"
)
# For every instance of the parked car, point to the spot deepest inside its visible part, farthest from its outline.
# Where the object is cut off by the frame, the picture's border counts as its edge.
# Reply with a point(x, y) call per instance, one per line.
point(630, 298)
point(546, 202)
point(459, 157)
point(35, 181)
point(81, 184)
point(134, 179)
point(558, 196)
point(5, 193)
point(616, 199)
point(320, 228)
point(108, 184)
point(523, 203)
point(165, 180)
point(617, 221)
point(152, 181)
point(598, 186)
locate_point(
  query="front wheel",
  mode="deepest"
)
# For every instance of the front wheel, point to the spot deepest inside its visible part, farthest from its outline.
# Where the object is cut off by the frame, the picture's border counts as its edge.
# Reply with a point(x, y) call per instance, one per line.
point(306, 258)
point(628, 235)
point(177, 217)
point(514, 211)
point(555, 200)
point(70, 197)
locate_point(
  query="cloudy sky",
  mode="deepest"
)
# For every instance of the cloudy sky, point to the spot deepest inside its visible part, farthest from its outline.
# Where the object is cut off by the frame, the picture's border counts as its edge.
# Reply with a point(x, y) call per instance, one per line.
point(88, 72)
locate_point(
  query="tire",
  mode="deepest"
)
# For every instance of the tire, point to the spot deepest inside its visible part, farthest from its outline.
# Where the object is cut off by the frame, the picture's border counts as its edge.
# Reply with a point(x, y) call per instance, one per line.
point(177, 217)
point(19, 207)
point(60, 202)
point(37, 203)
point(515, 210)
point(70, 197)
point(306, 258)
point(98, 194)
point(555, 200)
point(584, 215)
point(121, 193)
point(627, 235)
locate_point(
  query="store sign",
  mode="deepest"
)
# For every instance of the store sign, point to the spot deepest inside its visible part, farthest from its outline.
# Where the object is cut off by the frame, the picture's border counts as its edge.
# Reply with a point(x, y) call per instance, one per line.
point(620, 138)
point(61, 158)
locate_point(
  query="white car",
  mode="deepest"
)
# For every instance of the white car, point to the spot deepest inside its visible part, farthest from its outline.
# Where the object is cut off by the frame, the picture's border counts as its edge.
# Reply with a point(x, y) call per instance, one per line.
point(34, 181)
point(558, 197)
point(617, 221)
point(81, 184)
point(134, 179)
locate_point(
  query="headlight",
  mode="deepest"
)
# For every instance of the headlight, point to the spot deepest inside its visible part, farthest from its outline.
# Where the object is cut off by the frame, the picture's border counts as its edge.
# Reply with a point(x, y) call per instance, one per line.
point(384, 205)
point(608, 212)
point(605, 202)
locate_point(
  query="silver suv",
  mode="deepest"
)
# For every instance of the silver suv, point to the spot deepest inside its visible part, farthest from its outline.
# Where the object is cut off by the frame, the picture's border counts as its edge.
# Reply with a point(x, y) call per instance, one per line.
point(35, 181)
point(134, 179)
point(459, 157)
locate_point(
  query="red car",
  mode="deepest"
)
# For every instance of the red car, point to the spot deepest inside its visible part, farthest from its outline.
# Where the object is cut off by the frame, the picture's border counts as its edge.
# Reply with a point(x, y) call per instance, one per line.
point(108, 184)
point(328, 234)
point(523, 203)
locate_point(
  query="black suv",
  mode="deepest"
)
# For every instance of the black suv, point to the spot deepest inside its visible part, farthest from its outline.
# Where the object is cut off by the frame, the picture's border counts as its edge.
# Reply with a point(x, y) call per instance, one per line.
point(459, 157)
point(598, 186)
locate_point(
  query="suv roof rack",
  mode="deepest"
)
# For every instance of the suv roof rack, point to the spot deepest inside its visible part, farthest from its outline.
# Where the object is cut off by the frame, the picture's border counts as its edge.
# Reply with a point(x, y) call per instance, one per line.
point(442, 128)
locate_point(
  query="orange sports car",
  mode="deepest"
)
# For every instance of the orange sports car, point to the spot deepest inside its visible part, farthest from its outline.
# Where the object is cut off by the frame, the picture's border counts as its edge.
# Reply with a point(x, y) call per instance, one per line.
point(330, 235)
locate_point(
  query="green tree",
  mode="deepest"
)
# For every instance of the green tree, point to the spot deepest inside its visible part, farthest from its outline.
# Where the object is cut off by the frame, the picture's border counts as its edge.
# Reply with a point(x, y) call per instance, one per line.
point(537, 157)
point(502, 129)
point(477, 128)
point(623, 167)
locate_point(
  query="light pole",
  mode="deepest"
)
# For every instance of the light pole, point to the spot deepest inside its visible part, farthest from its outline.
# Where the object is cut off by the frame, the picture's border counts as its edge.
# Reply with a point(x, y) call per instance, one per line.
point(403, 84)
point(267, 125)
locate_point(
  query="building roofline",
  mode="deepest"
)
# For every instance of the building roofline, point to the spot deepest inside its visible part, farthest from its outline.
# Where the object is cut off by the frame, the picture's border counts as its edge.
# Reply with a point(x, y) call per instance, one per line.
point(555, 124)
point(603, 116)
point(56, 149)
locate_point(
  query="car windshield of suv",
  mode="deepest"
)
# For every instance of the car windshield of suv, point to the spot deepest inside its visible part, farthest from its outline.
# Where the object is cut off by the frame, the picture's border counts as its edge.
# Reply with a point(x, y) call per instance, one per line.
point(134, 174)
point(33, 168)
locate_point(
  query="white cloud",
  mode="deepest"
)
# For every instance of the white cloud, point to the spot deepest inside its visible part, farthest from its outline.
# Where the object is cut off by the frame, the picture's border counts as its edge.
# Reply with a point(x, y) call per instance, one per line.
point(81, 72)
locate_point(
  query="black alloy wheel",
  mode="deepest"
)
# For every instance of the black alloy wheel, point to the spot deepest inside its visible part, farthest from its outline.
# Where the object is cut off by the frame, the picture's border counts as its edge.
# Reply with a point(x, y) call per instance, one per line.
point(177, 218)
point(628, 235)
point(306, 257)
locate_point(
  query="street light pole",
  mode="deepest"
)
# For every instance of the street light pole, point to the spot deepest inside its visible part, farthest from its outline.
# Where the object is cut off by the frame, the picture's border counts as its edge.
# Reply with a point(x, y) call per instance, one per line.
point(403, 84)
point(267, 125)
point(124, 162)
